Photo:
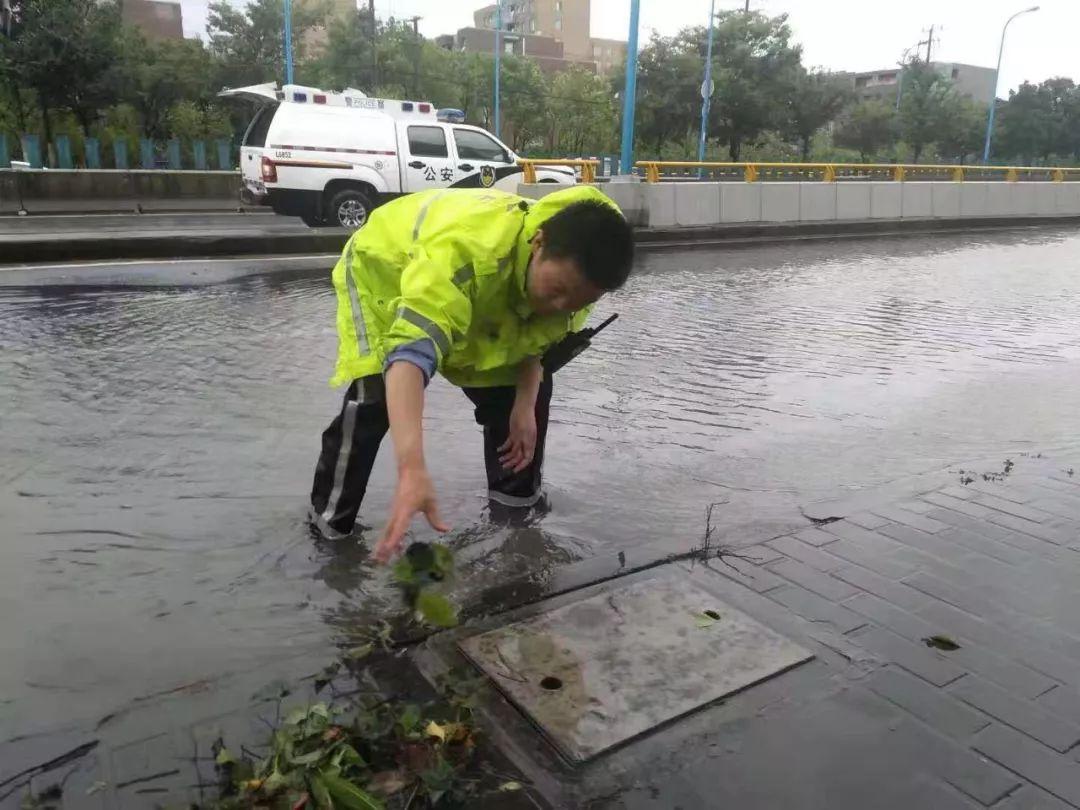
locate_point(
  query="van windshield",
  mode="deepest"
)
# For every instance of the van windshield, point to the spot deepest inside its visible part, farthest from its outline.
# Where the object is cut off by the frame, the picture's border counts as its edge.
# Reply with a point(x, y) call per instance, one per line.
point(260, 125)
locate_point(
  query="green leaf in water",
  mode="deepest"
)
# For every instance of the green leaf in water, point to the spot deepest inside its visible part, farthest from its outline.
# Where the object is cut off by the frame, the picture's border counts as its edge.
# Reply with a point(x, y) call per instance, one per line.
point(436, 609)
point(356, 653)
point(701, 620)
point(224, 757)
point(346, 795)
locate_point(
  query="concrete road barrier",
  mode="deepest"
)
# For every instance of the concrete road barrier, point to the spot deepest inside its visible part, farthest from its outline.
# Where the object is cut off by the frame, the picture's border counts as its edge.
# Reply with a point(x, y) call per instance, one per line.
point(54, 191)
point(705, 204)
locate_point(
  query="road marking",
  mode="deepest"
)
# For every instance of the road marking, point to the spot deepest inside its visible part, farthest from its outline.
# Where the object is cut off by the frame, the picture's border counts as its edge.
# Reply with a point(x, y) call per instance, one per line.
point(153, 263)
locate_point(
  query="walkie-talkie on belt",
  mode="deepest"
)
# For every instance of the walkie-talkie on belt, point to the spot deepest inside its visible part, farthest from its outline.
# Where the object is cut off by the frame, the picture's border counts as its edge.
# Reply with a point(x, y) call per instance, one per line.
point(571, 346)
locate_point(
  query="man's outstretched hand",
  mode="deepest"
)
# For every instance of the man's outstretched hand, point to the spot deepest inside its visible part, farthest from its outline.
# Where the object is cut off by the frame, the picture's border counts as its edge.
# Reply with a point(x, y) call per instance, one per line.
point(415, 493)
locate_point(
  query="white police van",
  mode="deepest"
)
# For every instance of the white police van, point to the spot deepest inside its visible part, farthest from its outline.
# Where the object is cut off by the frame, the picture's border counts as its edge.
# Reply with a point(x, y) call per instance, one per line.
point(330, 158)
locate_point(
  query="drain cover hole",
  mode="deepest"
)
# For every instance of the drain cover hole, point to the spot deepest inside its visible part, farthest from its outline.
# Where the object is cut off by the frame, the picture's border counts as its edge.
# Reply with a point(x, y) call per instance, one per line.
point(551, 683)
point(712, 614)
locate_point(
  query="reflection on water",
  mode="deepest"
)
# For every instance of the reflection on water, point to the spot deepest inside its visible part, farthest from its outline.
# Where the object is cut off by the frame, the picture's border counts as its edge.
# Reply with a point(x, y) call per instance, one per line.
point(158, 443)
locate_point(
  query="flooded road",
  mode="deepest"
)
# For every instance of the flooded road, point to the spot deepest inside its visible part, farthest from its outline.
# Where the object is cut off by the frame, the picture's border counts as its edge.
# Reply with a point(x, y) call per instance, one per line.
point(157, 442)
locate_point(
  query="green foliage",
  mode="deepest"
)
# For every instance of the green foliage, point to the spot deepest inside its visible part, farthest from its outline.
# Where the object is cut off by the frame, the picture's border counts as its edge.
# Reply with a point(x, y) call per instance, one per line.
point(72, 67)
point(359, 755)
point(1039, 121)
point(961, 131)
point(247, 43)
point(816, 101)
point(421, 572)
point(868, 128)
point(926, 98)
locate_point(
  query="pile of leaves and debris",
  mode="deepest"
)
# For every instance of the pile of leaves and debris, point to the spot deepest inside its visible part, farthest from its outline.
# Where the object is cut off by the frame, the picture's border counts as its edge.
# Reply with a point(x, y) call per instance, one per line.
point(369, 752)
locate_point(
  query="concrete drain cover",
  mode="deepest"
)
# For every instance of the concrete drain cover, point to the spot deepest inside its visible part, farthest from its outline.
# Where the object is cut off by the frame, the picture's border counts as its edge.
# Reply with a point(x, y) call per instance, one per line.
point(595, 673)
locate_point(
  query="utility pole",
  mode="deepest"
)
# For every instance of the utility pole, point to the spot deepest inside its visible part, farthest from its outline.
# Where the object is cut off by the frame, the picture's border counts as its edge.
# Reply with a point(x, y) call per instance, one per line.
point(416, 60)
point(626, 152)
point(997, 73)
point(374, 49)
point(929, 44)
point(746, 7)
point(288, 43)
point(706, 87)
point(498, 60)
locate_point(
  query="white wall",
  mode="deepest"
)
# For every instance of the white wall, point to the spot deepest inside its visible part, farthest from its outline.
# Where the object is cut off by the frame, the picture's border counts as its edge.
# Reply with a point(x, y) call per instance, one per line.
point(673, 205)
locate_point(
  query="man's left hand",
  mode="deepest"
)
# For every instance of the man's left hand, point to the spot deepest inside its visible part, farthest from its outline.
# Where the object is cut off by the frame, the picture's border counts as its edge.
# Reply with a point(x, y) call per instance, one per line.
point(517, 451)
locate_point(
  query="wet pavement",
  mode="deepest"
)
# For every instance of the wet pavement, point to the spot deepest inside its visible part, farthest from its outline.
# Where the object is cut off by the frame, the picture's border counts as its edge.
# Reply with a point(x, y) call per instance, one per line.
point(158, 441)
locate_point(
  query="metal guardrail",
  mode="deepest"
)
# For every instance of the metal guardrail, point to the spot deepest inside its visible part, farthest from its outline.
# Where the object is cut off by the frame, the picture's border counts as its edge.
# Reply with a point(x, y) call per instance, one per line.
point(588, 167)
point(832, 172)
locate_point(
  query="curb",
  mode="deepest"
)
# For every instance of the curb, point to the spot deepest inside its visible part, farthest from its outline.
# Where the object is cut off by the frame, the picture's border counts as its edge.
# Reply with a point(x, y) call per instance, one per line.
point(35, 250)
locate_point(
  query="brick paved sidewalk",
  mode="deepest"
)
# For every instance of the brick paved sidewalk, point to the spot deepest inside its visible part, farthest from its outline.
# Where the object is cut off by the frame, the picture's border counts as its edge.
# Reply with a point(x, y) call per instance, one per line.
point(993, 565)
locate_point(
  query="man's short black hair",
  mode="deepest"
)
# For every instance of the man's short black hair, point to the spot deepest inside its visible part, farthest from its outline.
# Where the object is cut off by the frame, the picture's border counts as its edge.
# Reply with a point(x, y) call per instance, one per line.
point(597, 237)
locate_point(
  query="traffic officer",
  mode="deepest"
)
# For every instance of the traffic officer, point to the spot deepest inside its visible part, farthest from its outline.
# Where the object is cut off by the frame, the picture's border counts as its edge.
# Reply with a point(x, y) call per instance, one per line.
point(475, 284)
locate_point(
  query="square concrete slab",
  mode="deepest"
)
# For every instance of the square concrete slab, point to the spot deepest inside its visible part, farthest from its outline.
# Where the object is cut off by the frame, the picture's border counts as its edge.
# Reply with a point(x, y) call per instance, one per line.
point(595, 673)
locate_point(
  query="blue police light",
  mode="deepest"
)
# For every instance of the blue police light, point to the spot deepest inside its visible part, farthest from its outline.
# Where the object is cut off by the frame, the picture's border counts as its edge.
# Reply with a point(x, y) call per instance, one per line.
point(450, 116)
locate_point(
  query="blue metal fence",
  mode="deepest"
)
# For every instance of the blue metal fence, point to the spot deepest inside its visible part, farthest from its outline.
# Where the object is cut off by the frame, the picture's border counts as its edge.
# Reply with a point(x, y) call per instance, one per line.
point(5, 155)
point(224, 155)
point(120, 153)
point(31, 147)
point(92, 150)
point(63, 152)
point(146, 153)
point(172, 154)
point(198, 155)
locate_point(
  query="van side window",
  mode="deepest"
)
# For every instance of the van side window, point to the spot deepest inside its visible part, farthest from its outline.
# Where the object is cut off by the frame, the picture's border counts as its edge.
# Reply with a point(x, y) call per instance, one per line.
point(427, 142)
point(473, 145)
point(260, 125)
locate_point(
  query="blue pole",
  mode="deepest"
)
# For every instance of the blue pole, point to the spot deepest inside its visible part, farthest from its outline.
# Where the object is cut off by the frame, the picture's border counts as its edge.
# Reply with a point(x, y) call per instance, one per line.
point(626, 156)
point(706, 88)
point(498, 58)
point(288, 43)
point(993, 95)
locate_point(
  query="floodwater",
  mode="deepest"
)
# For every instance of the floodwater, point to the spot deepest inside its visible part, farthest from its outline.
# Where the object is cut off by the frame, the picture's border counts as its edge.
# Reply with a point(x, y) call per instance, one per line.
point(156, 443)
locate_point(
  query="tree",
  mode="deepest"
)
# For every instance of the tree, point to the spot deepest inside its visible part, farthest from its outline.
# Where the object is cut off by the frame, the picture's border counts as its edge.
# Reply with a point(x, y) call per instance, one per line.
point(523, 101)
point(249, 44)
point(1023, 124)
point(163, 74)
point(817, 99)
point(667, 96)
point(755, 66)
point(869, 127)
point(66, 53)
point(925, 100)
point(580, 114)
point(962, 130)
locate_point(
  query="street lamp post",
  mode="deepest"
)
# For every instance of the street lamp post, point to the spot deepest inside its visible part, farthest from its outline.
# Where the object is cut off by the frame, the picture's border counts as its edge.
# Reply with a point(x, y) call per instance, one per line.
point(498, 59)
point(288, 43)
point(997, 71)
point(706, 88)
point(626, 155)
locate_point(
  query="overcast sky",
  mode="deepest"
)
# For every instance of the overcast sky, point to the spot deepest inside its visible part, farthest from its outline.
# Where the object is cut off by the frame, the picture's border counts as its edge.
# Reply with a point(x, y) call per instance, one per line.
point(835, 34)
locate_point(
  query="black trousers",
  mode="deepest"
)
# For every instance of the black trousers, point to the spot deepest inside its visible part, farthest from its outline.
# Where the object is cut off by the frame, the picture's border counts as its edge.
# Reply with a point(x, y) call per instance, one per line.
point(350, 444)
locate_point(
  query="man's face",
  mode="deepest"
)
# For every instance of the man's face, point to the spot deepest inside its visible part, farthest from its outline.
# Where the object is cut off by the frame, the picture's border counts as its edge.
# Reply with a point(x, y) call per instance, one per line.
point(557, 285)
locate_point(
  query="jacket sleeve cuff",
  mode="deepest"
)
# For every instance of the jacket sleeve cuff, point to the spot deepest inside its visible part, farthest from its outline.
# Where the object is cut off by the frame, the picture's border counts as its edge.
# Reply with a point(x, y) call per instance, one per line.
point(421, 353)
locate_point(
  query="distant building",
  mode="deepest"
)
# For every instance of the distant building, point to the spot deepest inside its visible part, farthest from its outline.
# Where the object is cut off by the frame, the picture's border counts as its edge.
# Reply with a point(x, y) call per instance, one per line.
point(156, 19)
point(566, 21)
point(547, 52)
point(969, 80)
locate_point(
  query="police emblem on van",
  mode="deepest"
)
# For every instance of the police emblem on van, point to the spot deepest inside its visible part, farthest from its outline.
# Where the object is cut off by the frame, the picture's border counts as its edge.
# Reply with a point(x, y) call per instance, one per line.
point(487, 176)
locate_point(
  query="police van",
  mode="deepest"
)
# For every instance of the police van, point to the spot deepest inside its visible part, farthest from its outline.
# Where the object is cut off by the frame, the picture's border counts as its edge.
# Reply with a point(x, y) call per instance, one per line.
point(331, 158)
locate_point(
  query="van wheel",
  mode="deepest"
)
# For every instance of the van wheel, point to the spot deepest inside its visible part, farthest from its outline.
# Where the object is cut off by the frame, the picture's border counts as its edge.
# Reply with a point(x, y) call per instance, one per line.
point(349, 208)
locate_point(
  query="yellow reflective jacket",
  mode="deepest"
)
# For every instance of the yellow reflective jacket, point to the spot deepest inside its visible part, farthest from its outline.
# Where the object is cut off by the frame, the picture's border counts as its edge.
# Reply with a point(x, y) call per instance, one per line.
point(448, 265)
